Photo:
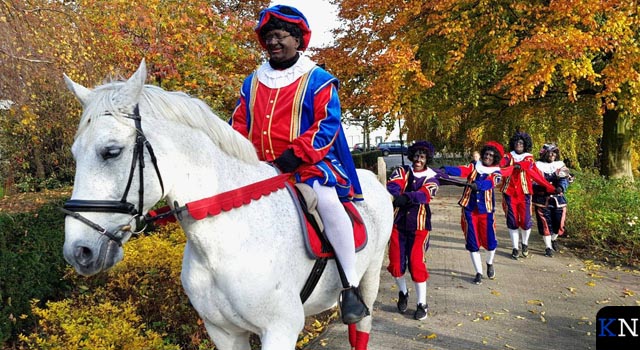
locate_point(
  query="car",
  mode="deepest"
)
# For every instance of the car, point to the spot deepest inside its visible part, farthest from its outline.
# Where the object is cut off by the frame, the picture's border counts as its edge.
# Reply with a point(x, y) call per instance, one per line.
point(360, 147)
point(393, 147)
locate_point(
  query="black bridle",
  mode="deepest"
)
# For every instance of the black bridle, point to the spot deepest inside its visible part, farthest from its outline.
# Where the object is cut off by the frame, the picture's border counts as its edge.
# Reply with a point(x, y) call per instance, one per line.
point(73, 206)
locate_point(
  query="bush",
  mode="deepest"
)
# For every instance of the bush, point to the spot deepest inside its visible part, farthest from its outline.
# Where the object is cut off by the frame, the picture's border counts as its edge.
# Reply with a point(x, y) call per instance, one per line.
point(604, 216)
point(148, 280)
point(86, 324)
point(367, 160)
point(31, 263)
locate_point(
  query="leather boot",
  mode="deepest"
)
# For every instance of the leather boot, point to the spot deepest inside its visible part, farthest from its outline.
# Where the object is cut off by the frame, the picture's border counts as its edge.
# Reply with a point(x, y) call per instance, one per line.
point(352, 307)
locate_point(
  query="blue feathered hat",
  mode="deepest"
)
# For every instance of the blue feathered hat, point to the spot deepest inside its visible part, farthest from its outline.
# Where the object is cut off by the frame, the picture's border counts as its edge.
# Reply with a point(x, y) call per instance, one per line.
point(288, 14)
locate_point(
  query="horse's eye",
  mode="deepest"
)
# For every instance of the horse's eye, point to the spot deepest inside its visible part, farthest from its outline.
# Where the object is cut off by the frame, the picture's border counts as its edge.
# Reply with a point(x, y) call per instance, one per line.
point(110, 152)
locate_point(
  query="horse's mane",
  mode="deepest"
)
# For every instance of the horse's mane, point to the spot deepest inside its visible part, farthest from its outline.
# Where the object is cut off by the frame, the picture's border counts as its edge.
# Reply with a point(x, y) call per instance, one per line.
point(175, 106)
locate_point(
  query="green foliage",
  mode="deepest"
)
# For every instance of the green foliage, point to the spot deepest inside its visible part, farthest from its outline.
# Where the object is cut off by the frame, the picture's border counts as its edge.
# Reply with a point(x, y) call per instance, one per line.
point(147, 282)
point(604, 216)
point(86, 324)
point(31, 263)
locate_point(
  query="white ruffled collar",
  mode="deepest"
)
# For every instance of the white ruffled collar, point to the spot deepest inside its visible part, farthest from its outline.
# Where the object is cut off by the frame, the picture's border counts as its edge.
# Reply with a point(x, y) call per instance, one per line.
point(481, 169)
point(549, 168)
point(427, 172)
point(275, 79)
point(519, 157)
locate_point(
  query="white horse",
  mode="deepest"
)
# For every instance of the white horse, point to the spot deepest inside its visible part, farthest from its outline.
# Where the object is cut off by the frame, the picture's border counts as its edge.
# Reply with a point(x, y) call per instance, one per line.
point(243, 269)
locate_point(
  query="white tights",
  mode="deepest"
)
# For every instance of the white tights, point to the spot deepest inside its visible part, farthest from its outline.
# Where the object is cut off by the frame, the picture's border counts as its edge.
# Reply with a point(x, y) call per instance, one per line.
point(338, 229)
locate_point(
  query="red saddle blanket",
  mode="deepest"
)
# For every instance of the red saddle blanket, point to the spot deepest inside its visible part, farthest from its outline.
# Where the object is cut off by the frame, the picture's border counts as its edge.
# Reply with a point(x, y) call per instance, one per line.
point(314, 244)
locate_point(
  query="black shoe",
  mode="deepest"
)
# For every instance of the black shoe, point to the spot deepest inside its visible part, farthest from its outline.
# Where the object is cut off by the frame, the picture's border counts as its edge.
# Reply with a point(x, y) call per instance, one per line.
point(514, 254)
point(525, 250)
point(491, 272)
point(548, 252)
point(554, 245)
point(402, 302)
point(352, 307)
point(478, 279)
point(421, 312)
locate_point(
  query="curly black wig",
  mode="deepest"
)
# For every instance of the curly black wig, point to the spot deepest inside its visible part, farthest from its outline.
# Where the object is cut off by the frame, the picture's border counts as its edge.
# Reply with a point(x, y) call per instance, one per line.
point(497, 155)
point(519, 135)
point(424, 147)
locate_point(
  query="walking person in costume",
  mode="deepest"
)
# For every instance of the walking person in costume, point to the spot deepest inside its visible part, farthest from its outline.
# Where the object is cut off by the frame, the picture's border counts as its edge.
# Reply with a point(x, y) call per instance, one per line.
point(289, 109)
point(517, 190)
point(551, 207)
point(478, 206)
point(412, 188)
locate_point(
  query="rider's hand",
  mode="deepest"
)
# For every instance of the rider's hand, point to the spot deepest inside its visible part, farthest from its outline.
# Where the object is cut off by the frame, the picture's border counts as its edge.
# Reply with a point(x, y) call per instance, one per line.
point(288, 161)
point(400, 200)
point(473, 186)
point(517, 166)
point(559, 190)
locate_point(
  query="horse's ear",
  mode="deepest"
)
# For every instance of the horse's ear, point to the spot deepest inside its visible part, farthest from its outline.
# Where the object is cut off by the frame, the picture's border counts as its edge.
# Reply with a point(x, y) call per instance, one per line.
point(81, 92)
point(130, 92)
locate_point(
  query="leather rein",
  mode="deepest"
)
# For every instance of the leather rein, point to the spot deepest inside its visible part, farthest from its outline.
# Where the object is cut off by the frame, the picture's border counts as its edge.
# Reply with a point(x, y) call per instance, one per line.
point(198, 209)
point(72, 207)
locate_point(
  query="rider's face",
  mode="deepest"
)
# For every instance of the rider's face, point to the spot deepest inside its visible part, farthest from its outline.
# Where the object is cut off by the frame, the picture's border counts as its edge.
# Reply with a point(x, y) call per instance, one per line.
point(281, 45)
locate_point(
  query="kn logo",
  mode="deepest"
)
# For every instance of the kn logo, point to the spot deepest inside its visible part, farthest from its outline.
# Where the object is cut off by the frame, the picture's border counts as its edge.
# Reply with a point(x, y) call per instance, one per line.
point(617, 327)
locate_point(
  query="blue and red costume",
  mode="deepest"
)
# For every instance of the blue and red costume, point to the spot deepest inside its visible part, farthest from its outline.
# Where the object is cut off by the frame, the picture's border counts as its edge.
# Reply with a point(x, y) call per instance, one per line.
point(478, 206)
point(304, 116)
point(410, 236)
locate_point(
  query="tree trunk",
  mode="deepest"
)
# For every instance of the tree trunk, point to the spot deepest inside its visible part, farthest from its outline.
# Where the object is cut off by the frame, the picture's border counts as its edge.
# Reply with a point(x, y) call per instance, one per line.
point(37, 159)
point(616, 146)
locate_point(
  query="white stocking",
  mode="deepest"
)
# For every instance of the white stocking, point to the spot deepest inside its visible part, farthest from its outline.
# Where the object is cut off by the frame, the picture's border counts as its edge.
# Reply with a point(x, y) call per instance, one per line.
point(547, 241)
point(490, 256)
point(476, 259)
point(401, 282)
point(421, 292)
point(525, 236)
point(514, 238)
point(338, 229)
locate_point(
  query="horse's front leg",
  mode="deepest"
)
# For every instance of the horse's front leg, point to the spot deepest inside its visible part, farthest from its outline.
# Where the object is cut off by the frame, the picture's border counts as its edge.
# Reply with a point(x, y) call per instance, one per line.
point(283, 332)
point(224, 340)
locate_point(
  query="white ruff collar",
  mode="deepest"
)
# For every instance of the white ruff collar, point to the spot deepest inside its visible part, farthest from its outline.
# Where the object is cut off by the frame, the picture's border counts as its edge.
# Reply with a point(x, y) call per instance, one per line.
point(275, 79)
point(428, 173)
point(519, 157)
point(549, 168)
point(481, 169)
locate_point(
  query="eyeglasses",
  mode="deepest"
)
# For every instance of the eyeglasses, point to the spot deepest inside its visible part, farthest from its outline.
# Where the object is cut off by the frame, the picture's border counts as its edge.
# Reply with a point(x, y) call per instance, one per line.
point(277, 38)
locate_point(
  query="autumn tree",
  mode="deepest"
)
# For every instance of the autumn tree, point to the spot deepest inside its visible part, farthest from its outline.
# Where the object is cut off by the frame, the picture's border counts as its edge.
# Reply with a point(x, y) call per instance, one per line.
point(205, 49)
point(550, 67)
point(39, 40)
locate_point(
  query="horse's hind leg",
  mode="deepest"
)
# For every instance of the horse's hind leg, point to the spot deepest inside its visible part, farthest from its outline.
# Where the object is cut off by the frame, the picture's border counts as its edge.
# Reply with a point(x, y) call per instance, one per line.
point(369, 284)
point(225, 340)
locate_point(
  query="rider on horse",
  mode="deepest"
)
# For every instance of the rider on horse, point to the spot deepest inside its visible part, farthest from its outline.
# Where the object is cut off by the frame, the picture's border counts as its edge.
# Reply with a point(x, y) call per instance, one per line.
point(289, 109)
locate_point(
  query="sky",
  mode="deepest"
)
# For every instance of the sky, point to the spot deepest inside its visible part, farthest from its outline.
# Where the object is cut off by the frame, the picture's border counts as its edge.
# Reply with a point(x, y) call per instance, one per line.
point(321, 16)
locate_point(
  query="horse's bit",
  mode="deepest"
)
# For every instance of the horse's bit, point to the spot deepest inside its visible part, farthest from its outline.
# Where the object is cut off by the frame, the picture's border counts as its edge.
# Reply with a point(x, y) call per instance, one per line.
point(73, 206)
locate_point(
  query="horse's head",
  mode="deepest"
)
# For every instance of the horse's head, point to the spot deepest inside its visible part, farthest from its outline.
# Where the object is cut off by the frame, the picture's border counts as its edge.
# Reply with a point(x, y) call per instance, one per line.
point(110, 191)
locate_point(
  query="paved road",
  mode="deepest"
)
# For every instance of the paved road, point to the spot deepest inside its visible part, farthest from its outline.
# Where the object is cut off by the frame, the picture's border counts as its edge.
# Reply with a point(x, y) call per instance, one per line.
point(534, 303)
